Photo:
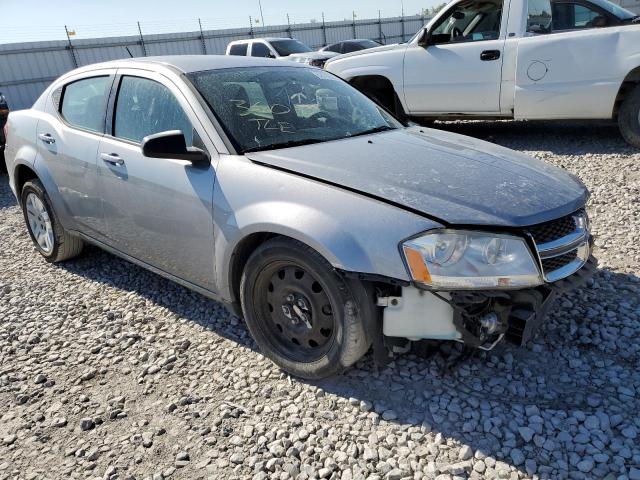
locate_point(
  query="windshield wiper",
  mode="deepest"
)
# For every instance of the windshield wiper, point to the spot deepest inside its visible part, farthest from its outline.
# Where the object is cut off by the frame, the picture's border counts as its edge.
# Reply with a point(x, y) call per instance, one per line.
point(287, 144)
point(381, 128)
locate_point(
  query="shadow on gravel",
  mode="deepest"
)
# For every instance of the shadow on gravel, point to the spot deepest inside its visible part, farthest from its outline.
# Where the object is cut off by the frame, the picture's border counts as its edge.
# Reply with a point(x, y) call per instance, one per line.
point(6, 195)
point(482, 401)
point(565, 138)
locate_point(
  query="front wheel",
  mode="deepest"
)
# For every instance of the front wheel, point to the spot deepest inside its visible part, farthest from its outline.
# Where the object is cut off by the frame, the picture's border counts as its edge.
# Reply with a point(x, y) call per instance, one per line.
point(629, 117)
point(53, 242)
point(303, 315)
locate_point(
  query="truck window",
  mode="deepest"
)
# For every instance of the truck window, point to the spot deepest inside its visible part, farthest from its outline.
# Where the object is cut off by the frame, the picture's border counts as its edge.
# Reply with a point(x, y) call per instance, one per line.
point(260, 50)
point(573, 16)
point(239, 49)
point(469, 22)
point(539, 16)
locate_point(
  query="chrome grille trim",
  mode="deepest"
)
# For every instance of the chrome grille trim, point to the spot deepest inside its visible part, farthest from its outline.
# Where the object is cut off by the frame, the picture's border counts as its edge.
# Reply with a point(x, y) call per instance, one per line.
point(577, 241)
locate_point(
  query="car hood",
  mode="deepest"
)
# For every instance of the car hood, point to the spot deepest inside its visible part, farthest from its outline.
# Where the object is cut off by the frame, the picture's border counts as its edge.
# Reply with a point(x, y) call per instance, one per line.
point(455, 179)
point(368, 51)
point(312, 55)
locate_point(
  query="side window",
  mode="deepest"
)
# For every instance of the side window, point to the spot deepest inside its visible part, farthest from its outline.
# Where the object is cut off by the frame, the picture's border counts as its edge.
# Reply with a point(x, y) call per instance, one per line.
point(259, 49)
point(84, 103)
point(472, 21)
point(145, 107)
point(573, 16)
point(238, 49)
point(539, 16)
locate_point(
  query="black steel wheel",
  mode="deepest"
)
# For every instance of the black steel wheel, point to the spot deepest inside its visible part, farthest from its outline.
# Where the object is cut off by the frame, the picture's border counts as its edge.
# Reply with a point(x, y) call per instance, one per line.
point(303, 315)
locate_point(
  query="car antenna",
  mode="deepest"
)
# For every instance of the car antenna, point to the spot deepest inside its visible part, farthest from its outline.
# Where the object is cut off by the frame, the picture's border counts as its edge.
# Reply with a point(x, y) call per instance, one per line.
point(128, 51)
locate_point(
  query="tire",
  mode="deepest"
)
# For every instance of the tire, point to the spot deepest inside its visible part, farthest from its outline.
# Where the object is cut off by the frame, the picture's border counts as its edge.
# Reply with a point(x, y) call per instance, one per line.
point(59, 245)
point(318, 341)
point(629, 117)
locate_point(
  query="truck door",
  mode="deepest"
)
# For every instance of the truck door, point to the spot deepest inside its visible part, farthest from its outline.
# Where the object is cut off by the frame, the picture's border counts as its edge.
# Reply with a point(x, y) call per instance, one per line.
point(457, 66)
point(570, 73)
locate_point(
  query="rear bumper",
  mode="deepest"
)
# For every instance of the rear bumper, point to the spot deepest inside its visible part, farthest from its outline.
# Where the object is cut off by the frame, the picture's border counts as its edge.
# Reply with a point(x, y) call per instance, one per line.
point(476, 318)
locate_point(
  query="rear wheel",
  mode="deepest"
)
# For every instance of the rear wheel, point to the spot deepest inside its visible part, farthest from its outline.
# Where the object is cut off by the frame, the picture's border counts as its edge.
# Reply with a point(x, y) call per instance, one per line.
point(304, 316)
point(629, 117)
point(53, 242)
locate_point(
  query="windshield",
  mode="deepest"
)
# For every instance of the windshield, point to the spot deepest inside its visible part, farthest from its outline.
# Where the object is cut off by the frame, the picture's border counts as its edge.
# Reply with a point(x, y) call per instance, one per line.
point(368, 44)
point(262, 108)
point(287, 47)
point(618, 11)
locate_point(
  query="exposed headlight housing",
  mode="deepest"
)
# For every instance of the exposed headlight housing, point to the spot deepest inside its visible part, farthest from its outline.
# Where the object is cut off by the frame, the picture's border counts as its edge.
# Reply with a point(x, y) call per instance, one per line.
point(448, 259)
point(316, 62)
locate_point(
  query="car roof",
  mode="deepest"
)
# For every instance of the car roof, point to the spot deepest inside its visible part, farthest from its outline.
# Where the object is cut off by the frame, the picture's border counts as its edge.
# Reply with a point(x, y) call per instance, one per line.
point(268, 39)
point(192, 63)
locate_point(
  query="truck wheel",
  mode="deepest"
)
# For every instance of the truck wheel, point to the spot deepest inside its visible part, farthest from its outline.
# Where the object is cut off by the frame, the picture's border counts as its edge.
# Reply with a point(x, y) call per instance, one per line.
point(302, 314)
point(629, 117)
point(48, 235)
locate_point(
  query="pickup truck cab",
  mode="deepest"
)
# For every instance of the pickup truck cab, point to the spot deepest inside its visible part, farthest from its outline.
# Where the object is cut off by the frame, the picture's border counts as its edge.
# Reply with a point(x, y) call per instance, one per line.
point(521, 59)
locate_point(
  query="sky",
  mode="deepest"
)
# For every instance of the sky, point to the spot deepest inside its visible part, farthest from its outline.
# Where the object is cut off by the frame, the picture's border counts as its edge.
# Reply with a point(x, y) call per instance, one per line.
point(31, 20)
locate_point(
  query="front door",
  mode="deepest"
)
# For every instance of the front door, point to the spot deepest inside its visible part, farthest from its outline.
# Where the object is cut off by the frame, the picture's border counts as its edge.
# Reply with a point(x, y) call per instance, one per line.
point(458, 69)
point(68, 137)
point(158, 211)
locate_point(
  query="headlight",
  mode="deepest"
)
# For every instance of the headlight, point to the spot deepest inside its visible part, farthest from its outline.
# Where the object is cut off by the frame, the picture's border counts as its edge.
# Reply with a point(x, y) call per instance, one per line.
point(471, 260)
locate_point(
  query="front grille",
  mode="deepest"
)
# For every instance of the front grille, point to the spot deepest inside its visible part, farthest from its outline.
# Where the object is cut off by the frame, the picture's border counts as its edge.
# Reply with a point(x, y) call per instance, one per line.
point(556, 243)
point(554, 263)
point(555, 229)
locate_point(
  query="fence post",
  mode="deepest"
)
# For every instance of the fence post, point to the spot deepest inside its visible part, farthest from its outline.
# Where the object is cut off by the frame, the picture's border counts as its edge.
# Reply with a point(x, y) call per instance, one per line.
point(250, 26)
point(73, 55)
point(289, 26)
point(324, 31)
point(402, 25)
point(354, 24)
point(380, 27)
point(144, 48)
point(204, 45)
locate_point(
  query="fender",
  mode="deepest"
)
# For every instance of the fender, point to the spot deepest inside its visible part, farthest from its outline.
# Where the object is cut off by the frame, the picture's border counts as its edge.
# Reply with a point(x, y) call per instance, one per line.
point(356, 239)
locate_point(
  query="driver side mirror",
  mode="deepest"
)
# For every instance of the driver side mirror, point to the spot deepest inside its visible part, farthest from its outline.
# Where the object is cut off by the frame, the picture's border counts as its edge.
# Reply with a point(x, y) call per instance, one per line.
point(425, 39)
point(172, 144)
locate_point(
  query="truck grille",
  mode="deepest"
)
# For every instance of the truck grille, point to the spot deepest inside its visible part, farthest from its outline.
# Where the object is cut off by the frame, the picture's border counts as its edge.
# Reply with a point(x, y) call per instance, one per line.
point(563, 245)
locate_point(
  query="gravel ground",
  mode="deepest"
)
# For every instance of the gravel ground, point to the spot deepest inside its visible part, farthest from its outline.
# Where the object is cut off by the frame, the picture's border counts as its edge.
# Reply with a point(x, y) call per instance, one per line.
point(108, 371)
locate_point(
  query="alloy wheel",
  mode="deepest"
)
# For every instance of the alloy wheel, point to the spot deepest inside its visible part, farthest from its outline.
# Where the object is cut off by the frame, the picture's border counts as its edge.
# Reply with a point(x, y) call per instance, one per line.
point(40, 223)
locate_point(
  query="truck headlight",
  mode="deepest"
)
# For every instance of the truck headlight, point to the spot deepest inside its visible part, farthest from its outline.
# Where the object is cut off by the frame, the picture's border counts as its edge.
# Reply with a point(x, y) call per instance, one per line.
point(470, 260)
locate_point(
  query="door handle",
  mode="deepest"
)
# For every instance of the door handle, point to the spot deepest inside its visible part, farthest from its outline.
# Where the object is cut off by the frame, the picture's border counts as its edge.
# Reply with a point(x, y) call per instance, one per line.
point(112, 158)
point(47, 138)
point(489, 55)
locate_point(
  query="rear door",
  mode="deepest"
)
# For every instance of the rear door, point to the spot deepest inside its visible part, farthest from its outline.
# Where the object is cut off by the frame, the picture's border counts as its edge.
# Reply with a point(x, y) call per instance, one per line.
point(567, 74)
point(68, 139)
point(158, 211)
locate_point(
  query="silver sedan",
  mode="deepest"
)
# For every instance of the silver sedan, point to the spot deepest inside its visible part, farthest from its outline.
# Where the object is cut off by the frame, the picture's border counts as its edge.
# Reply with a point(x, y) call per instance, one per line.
point(305, 207)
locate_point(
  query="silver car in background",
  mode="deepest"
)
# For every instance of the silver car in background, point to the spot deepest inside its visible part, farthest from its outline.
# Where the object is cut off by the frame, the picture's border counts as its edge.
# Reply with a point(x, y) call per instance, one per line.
point(285, 193)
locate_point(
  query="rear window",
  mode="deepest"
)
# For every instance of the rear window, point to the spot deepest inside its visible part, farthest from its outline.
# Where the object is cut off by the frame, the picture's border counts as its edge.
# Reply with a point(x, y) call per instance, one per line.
point(239, 49)
point(84, 103)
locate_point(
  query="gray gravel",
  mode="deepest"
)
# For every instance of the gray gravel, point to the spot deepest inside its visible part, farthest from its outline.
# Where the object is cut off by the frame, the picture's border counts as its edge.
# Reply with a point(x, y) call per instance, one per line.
point(108, 371)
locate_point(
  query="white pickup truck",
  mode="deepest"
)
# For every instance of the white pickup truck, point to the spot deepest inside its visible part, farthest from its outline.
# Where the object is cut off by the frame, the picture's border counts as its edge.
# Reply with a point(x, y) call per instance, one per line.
point(522, 59)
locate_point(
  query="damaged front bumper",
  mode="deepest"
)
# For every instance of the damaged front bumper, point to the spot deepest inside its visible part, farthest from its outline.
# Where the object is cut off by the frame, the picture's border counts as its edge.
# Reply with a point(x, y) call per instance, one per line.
point(479, 319)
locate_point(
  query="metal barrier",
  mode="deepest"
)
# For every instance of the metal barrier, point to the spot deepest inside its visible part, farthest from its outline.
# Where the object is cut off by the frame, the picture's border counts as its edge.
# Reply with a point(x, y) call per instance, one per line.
point(26, 69)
